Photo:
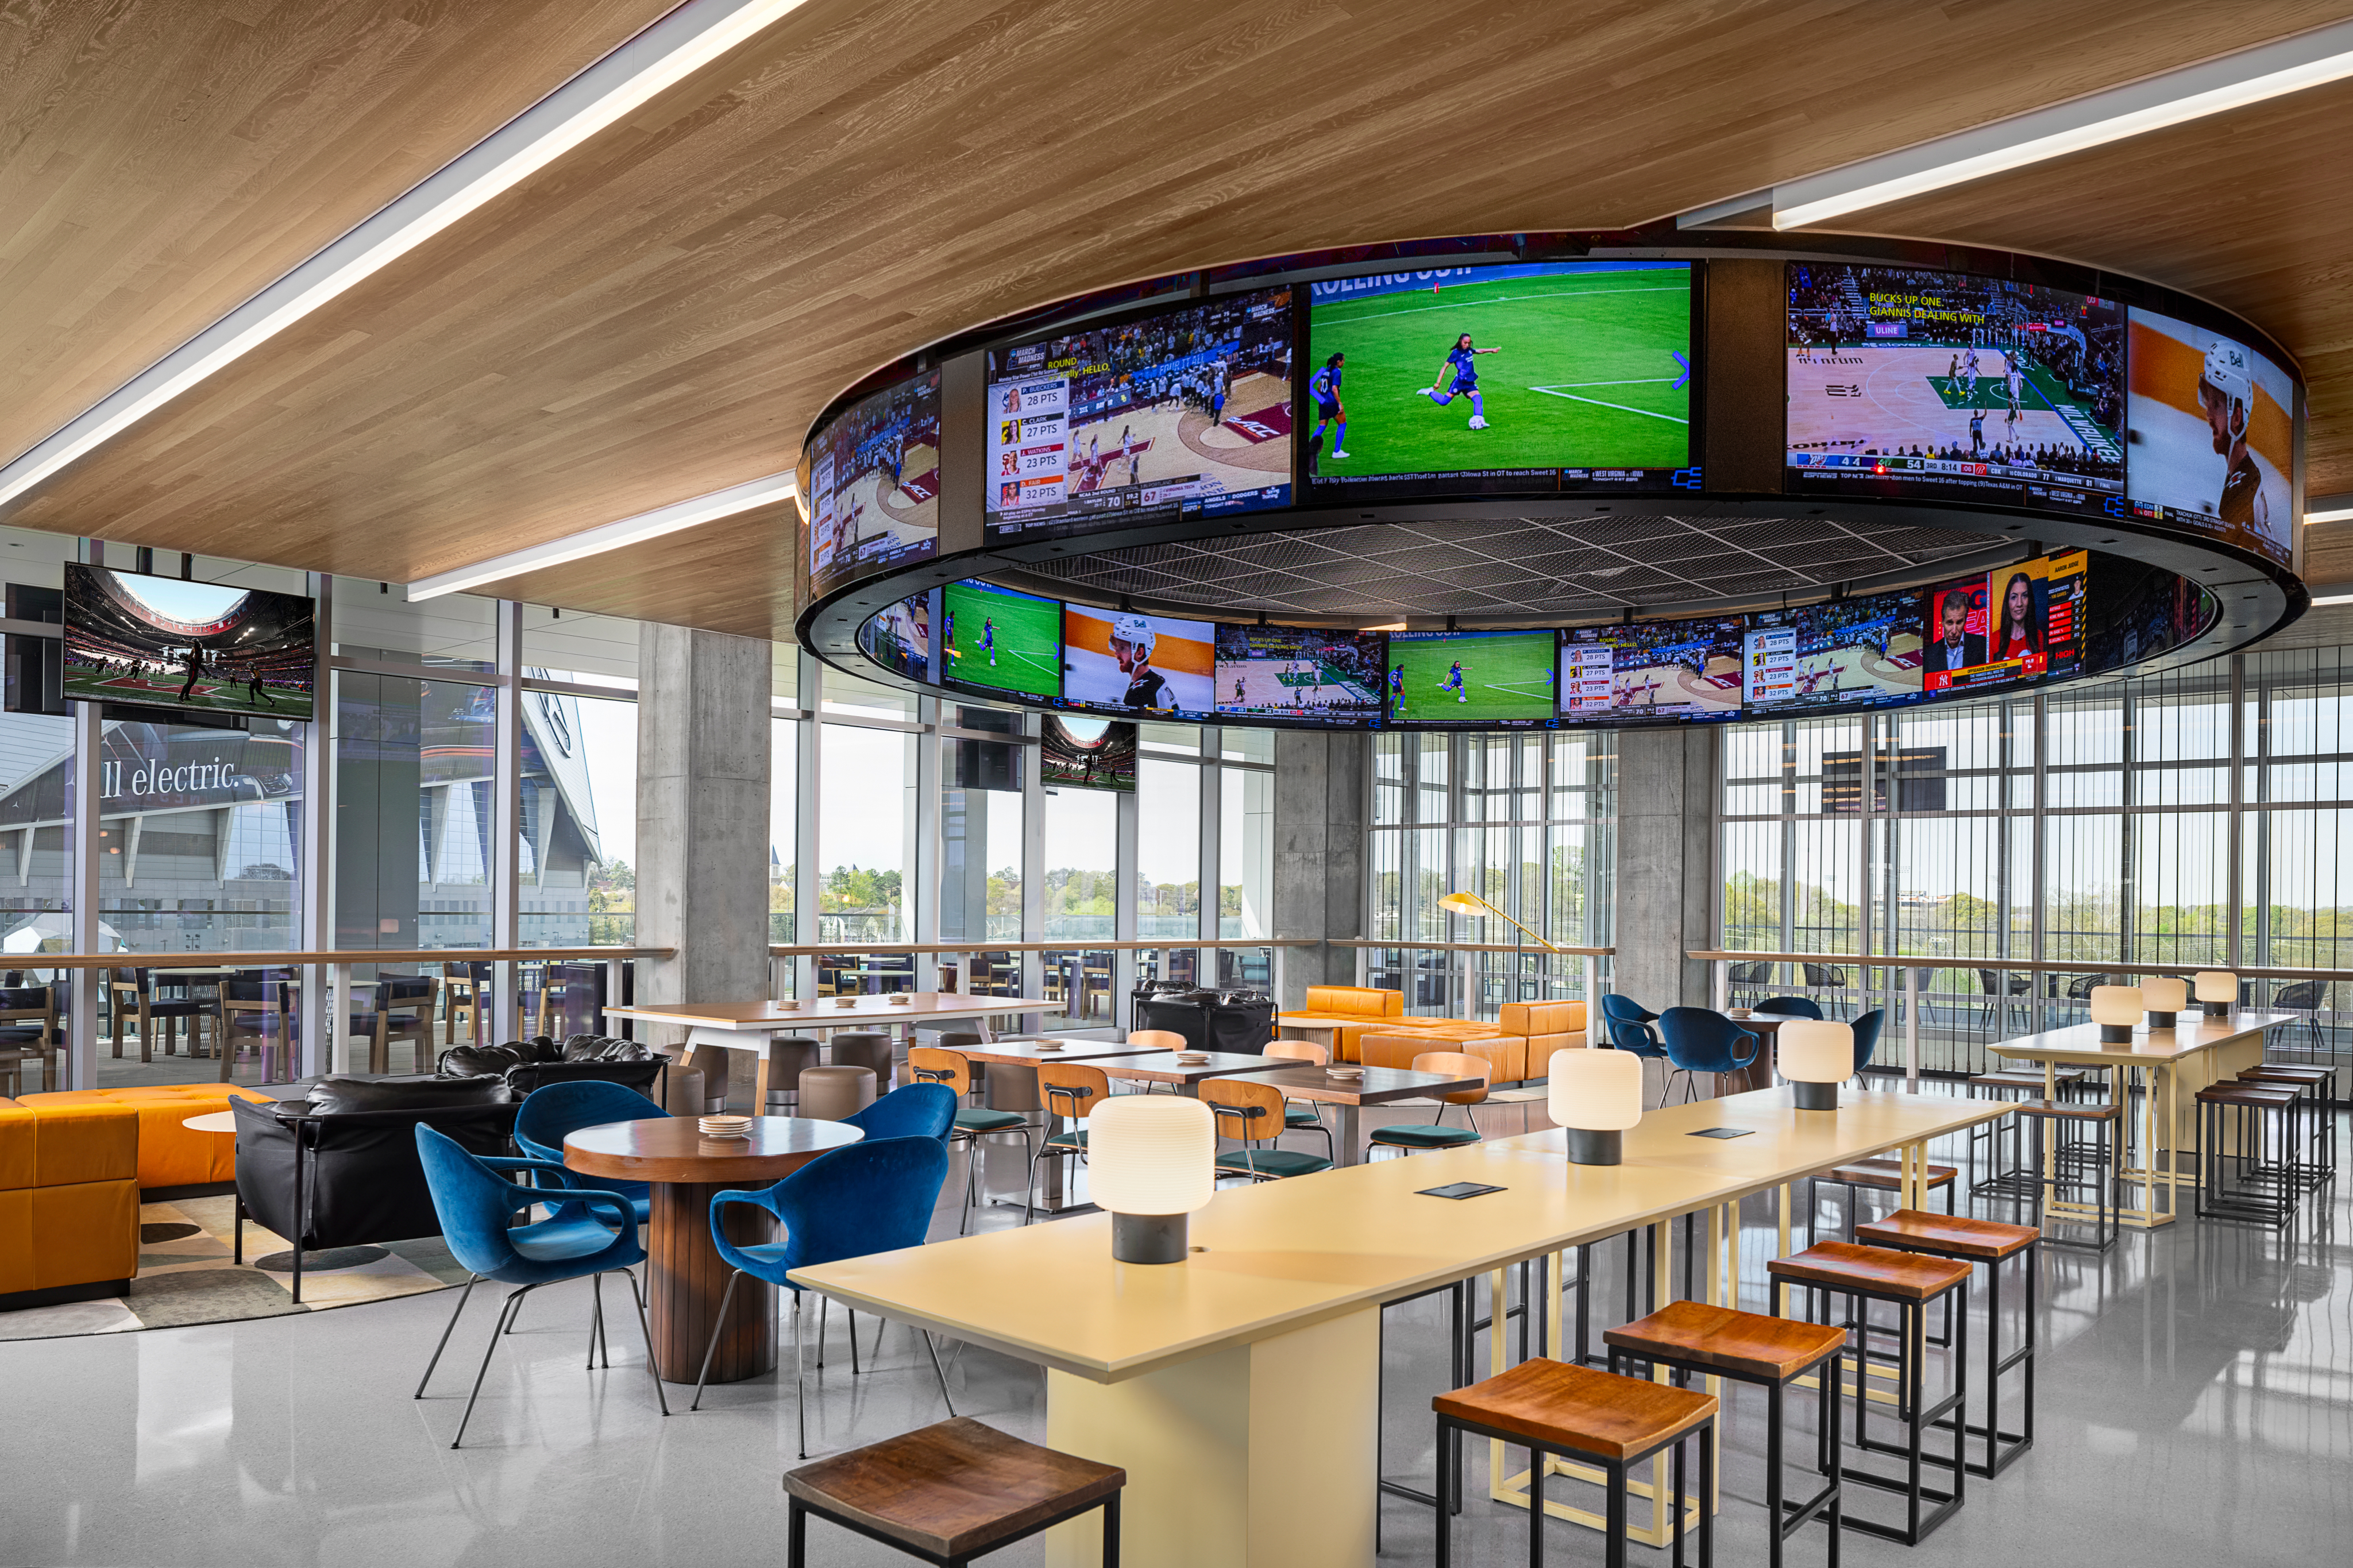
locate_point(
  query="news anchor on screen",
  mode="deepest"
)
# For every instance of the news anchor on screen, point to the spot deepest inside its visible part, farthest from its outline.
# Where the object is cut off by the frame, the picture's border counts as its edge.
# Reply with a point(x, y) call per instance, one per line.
point(1955, 647)
point(2021, 619)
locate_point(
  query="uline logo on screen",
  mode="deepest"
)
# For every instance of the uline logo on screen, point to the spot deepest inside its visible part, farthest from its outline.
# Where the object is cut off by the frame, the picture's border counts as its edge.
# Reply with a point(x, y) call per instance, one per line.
point(153, 778)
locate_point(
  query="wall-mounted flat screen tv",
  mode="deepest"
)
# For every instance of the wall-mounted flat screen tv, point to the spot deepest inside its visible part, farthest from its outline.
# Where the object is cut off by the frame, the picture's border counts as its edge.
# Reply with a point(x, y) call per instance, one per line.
point(1300, 674)
point(1537, 376)
point(1076, 752)
point(993, 639)
point(1138, 664)
point(1939, 385)
point(1651, 671)
point(899, 637)
point(2017, 622)
point(1181, 412)
point(874, 484)
point(1864, 649)
point(2212, 436)
point(1472, 680)
point(206, 648)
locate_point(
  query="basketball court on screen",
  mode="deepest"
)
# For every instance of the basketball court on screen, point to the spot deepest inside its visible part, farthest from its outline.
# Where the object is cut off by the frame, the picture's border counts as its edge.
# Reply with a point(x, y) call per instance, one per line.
point(1715, 690)
point(1172, 440)
point(1892, 397)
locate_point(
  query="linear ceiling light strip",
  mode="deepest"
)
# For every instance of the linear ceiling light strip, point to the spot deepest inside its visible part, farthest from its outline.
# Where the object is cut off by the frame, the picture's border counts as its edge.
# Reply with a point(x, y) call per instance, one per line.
point(607, 536)
point(2192, 92)
point(663, 54)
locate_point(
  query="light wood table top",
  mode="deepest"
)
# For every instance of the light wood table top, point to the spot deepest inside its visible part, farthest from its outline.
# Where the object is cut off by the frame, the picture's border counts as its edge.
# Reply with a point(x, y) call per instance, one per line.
point(769, 1017)
point(674, 1149)
point(1286, 1255)
point(1162, 1067)
point(1378, 1086)
point(2079, 1044)
point(211, 1122)
point(1029, 1053)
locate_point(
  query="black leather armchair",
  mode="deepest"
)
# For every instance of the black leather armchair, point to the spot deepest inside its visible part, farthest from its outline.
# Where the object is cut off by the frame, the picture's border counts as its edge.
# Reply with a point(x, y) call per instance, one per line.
point(339, 1168)
point(526, 1064)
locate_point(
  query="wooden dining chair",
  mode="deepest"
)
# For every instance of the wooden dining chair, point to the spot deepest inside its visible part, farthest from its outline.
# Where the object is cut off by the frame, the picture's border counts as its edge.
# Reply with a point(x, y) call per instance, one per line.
point(936, 1064)
point(1300, 1115)
point(1070, 1091)
point(1157, 1039)
point(131, 993)
point(28, 1025)
point(1253, 1114)
point(1434, 1134)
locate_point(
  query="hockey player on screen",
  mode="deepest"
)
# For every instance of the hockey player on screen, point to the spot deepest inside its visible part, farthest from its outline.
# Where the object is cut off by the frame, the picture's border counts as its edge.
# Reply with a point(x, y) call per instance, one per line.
point(2226, 394)
point(1461, 364)
point(1132, 641)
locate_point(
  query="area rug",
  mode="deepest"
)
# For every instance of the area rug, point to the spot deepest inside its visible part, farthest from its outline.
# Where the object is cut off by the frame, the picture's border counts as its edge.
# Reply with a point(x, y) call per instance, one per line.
point(185, 1276)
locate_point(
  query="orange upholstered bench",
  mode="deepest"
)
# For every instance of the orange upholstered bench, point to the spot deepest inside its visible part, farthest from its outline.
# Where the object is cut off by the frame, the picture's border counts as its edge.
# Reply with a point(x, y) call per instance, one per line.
point(69, 1202)
point(1396, 1047)
point(169, 1155)
point(1326, 1004)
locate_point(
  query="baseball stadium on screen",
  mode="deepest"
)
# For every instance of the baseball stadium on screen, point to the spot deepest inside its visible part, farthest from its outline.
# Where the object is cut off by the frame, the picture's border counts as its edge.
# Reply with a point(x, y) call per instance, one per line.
point(1471, 680)
point(993, 639)
point(1941, 386)
point(1557, 375)
point(205, 648)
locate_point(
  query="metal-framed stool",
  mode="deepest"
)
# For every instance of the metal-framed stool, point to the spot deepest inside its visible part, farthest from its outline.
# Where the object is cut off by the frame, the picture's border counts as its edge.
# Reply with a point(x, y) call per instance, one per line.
point(2070, 1167)
point(1874, 1176)
point(2319, 1086)
point(1552, 1408)
point(950, 1492)
point(1991, 1244)
point(2254, 1181)
point(1908, 1282)
point(2009, 1178)
point(1770, 1354)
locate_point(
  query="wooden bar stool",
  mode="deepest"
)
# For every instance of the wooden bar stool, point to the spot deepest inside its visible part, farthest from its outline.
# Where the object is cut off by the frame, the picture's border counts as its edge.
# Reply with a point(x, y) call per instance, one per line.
point(1769, 1353)
point(2009, 1179)
point(1991, 1244)
point(1880, 1176)
point(2103, 1120)
point(1908, 1282)
point(950, 1492)
point(2248, 1183)
point(2319, 1086)
point(1550, 1408)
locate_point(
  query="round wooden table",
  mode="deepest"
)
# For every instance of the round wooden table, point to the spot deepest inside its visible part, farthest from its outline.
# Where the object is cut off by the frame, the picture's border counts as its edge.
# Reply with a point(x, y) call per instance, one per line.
point(685, 1275)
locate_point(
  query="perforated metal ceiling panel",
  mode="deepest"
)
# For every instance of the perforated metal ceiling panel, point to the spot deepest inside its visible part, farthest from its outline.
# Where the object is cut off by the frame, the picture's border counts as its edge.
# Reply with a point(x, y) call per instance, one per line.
point(1543, 568)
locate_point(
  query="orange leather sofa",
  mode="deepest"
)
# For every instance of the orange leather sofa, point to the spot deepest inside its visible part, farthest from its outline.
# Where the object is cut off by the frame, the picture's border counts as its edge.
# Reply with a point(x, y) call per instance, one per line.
point(169, 1155)
point(69, 1202)
point(1506, 1054)
point(1547, 1027)
point(1366, 1002)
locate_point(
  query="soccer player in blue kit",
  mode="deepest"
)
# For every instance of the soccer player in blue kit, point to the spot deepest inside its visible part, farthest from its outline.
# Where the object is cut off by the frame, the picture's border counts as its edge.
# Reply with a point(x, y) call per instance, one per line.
point(1453, 682)
point(1323, 386)
point(1462, 361)
point(988, 639)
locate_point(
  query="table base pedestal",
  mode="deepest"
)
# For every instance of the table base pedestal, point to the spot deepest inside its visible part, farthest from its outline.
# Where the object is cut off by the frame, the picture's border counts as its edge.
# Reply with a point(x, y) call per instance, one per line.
point(687, 1277)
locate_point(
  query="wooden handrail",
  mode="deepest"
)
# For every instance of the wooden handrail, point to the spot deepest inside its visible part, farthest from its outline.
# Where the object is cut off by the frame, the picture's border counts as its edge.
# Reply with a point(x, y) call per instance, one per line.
point(2012, 965)
point(1483, 947)
point(1072, 945)
point(293, 960)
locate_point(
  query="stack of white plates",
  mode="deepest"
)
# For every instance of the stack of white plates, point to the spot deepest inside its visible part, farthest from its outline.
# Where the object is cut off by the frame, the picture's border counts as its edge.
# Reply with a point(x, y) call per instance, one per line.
point(726, 1126)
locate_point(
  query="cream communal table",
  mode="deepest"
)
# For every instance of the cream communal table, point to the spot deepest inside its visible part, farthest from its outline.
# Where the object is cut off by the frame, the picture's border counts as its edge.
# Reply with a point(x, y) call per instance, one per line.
point(1239, 1387)
point(2174, 1064)
point(749, 1026)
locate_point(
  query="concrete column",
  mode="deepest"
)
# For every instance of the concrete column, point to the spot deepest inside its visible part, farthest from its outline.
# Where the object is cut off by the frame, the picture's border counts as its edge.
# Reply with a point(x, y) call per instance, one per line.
point(1320, 848)
point(1665, 865)
point(703, 818)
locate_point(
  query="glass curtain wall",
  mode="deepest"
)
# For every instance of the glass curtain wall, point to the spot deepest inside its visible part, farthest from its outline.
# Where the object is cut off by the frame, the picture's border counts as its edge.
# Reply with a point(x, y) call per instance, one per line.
point(1525, 821)
point(2192, 818)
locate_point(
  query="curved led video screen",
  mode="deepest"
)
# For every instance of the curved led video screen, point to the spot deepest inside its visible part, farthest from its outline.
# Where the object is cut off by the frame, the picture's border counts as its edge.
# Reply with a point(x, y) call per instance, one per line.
point(874, 485)
point(2212, 436)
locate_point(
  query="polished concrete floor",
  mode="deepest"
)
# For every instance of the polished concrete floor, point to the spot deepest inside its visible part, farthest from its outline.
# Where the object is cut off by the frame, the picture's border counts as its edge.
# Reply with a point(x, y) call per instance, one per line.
point(2196, 1406)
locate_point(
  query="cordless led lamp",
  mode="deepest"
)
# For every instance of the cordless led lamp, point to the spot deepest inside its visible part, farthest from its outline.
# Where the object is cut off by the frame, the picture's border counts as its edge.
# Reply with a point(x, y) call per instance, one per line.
point(2115, 1009)
point(2163, 998)
point(1594, 1096)
point(1816, 1057)
point(1151, 1161)
point(2217, 989)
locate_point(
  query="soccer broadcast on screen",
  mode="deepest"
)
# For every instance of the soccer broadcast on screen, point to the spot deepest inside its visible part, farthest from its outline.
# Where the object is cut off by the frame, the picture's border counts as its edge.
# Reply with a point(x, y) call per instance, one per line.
point(1185, 411)
point(874, 484)
point(1543, 376)
point(1471, 678)
point(1935, 384)
point(204, 646)
point(1297, 672)
point(998, 640)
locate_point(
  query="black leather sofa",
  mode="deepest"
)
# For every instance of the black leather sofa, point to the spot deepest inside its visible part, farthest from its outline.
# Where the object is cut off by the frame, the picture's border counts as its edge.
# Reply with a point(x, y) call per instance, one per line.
point(338, 1167)
point(526, 1064)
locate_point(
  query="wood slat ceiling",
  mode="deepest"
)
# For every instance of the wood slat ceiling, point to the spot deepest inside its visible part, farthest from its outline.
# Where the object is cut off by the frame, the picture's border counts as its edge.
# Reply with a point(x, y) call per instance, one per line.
point(661, 312)
point(161, 160)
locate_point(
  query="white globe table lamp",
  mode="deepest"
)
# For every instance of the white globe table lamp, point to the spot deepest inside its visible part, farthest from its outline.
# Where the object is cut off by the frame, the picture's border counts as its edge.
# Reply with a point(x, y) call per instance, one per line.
point(1151, 1161)
point(1594, 1096)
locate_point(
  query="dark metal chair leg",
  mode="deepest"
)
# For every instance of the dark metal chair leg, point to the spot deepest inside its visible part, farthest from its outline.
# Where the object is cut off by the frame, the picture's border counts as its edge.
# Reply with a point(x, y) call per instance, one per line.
point(937, 1371)
point(514, 1302)
point(471, 1280)
point(718, 1327)
point(647, 1329)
